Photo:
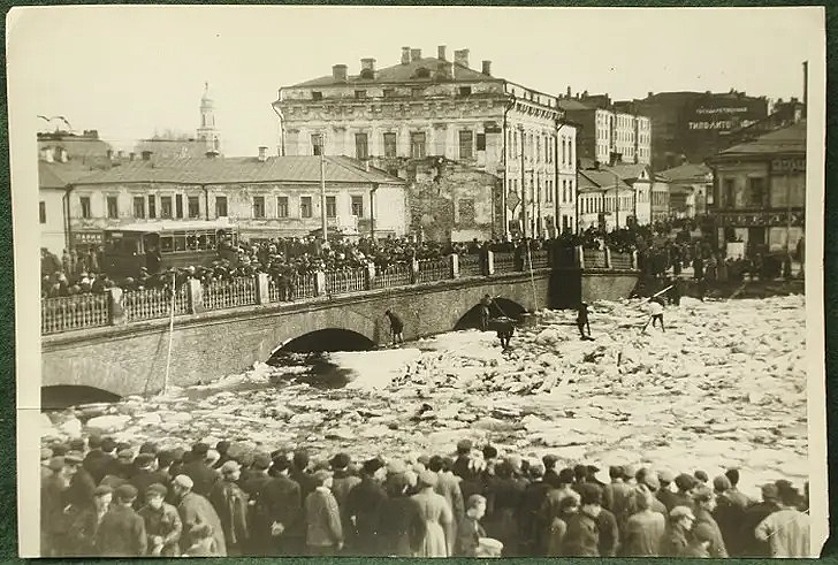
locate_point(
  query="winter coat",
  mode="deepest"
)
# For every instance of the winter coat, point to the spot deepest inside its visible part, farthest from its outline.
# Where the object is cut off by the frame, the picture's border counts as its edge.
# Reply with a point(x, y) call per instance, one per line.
point(582, 536)
point(203, 478)
point(121, 533)
point(704, 521)
point(364, 503)
point(469, 532)
point(164, 522)
point(323, 519)
point(402, 528)
point(437, 516)
point(194, 509)
point(643, 534)
point(230, 503)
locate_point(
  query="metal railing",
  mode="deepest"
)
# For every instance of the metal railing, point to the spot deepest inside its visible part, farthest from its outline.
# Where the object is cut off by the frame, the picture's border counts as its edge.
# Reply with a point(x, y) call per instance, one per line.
point(470, 266)
point(397, 274)
point(293, 287)
point(220, 295)
point(594, 259)
point(345, 281)
point(431, 270)
point(68, 313)
point(154, 303)
point(504, 262)
point(621, 261)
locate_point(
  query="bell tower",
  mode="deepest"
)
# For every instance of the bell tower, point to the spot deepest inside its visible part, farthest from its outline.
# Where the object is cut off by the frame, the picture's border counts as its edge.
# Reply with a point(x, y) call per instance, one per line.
point(207, 132)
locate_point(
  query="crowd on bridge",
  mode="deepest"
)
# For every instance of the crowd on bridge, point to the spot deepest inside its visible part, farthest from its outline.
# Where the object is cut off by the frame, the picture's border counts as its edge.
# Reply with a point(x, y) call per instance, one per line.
point(103, 498)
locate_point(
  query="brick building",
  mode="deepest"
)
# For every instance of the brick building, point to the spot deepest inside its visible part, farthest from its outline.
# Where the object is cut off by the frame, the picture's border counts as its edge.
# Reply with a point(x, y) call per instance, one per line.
point(760, 190)
point(401, 116)
point(263, 196)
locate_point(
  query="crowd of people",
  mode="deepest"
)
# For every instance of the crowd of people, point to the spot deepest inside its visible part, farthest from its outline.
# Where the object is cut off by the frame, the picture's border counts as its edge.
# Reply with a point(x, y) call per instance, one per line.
point(103, 498)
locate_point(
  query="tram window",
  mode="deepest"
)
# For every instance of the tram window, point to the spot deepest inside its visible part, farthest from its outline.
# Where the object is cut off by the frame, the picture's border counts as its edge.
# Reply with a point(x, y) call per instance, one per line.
point(202, 242)
point(180, 241)
point(192, 242)
point(166, 244)
point(211, 241)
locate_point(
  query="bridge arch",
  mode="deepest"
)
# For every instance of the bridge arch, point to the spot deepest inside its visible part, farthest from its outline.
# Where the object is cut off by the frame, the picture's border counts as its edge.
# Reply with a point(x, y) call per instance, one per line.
point(59, 397)
point(326, 339)
point(501, 307)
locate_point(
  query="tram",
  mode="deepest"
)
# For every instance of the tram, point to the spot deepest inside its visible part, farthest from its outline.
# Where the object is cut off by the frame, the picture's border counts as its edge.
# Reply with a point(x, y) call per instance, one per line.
point(158, 246)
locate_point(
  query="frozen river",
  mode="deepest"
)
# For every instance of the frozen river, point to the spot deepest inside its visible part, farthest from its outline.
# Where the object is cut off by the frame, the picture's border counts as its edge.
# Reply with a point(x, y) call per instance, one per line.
point(724, 386)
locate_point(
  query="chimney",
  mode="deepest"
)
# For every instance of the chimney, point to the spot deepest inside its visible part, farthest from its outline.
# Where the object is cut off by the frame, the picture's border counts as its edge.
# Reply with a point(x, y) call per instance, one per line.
point(440, 52)
point(339, 72)
point(405, 55)
point(263, 153)
point(368, 68)
point(568, 92)
point(110, 154)
point(415, 54)
point(487, 68)
point(650, 94)
point(146, 155)
point(444, 70)
point(131, 156)
point(119, 154)
point(461, 57)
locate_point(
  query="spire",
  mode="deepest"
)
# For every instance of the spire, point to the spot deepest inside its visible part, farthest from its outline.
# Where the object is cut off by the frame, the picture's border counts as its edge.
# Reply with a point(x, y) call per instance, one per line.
point(207, 131)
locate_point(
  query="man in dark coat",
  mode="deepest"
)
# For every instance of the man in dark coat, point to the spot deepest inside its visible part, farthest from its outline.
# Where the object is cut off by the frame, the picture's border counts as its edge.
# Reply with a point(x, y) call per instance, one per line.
point(283, 505)
point(196, 510)
point(582, 536)
point(363, 507)
point(705, 524)
point(145, 476)
point(754, 515)
point(100, 457)
point(396, 327)
point(533, 528)
point(259, 523)
point(230, 503)
point(53, 501)
point(82, 485)
point(122, 531)
point(203, 477)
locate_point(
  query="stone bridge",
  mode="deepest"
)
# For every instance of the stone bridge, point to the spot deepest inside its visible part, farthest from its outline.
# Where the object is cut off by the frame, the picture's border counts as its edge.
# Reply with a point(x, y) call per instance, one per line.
point(131, 358)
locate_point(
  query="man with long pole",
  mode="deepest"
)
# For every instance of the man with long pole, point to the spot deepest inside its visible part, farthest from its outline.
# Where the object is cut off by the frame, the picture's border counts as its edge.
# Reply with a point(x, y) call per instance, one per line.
point(323, 186)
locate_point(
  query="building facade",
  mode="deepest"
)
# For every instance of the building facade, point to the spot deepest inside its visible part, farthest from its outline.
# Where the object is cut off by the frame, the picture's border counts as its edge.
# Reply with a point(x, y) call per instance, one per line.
point(606, 133)
point(265, 197)
point(605, 201)
point(691, 126)
point(760, 191)
point(690, 189)
point(433, 107)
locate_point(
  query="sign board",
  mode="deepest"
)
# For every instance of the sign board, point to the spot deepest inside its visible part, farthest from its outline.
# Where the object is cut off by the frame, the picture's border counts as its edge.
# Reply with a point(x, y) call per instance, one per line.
point(785, 166)
point(735, 249)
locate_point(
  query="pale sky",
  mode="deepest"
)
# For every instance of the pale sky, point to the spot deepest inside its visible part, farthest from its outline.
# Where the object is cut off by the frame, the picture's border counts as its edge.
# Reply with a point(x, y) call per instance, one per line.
point(130, 70)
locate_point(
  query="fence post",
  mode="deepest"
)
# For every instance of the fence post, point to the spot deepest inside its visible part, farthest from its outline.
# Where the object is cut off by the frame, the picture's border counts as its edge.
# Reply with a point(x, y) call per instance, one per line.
point(454, 266)
point(319, 283)
point(195, 292)
point(579, 256)
point(116, 314)
point(369, 276)
point(634, 260)
point(607, 257)
point(489, 264)
point(262, 294)
point(414, 271)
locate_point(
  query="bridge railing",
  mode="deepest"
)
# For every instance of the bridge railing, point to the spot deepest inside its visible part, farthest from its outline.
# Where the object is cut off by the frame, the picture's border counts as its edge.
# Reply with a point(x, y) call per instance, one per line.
point(68, 313)
point(115, 307)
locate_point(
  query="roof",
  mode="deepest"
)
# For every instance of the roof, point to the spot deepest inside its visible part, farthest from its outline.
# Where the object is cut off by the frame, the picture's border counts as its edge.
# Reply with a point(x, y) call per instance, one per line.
point(791, 139)
point(688, 172)
point(571, 104)
point(627, 171)
point(172, 148)
point(77, 146)
point(597, 180)
point(401, 73)
point(229, 170)
point(59, 175)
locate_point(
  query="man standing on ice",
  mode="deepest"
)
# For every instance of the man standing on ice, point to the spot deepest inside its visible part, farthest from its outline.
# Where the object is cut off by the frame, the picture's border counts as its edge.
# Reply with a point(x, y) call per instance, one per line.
point(582, 321)
point(485, 312)
point(656, 313)
point(396, 327)
point(506, 328)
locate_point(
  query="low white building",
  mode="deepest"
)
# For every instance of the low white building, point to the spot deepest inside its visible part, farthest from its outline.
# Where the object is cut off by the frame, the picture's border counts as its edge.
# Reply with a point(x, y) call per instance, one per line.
point(604, 201)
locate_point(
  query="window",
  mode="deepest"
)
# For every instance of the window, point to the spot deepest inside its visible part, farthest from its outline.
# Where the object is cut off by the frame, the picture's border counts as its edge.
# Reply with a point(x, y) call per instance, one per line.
point(464, 91)
point(139, 207)
point(42, 212)
point(316, 144)
point(417, 145)
point(166, 207)
point(361, 147)
point(331, 207)
point(729, 188)
point(258, 206)
point(179, 205)
point(281, 206)
point(152, 206)
point(549, 190)
point(305, 207)
point(194, 207)
point(538, 148)
point(358, 206)
point(466, 210)
point(221, 206)
point(113, 208)
point(756, 191)
point(481, 142)
point(360, 94)
point(389, 144)
point(389, 92)
point(466, 144)
point(316, 95)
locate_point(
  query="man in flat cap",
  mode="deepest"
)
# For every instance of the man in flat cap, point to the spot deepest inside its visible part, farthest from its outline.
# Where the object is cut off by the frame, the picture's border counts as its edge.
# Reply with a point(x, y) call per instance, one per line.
point(342, 483)
point(202, 475)
point(230, 503)
point(258, 520)
point(195, 509)
point(283, 504)
point(162, 523)
point(143, 477)
point(53, 519)
point(85, 524)
point(122, 531)
point(704, 504)
point(676, 538)
point(461, 463)
point(364, 505)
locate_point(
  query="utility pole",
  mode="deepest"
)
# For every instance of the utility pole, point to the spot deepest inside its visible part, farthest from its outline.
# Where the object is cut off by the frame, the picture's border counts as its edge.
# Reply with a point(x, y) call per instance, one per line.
point(323, 186)
point(523, 186)
point(617, 192)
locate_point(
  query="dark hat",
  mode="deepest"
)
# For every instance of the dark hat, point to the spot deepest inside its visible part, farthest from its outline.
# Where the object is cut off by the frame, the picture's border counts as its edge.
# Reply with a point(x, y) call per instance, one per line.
point(701, 476)
point(200, 449)
point(56, 463)
point(156, 489)
point(301, 459)
point(464, 445)
point(685, 481)
point(59, 449)
point(549, 461)
point(340, 461)
point(144, 460)
point(165, 458)
point(149, 447)
point(126, 492)
point(770, 492)
point(590, 494)
point(222, 446)
point(281, 463)
point(261, 461)
point(372, 465)
point(566, 476)
point(102, 490)
point(77, 444)
point(489, 452)
point(721, 484)
point(108, 444)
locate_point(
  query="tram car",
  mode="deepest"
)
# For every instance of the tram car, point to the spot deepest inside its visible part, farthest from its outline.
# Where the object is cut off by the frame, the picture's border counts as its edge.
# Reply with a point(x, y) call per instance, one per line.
point(158, 246)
